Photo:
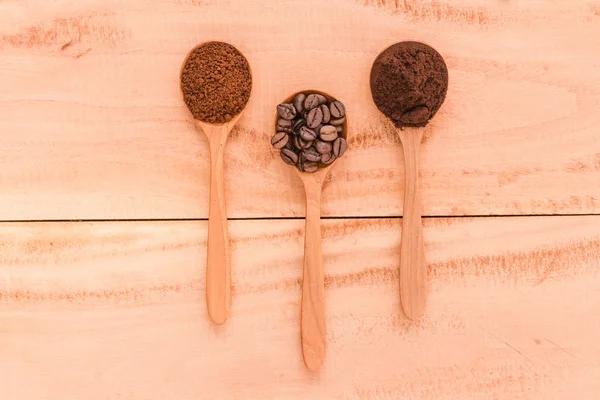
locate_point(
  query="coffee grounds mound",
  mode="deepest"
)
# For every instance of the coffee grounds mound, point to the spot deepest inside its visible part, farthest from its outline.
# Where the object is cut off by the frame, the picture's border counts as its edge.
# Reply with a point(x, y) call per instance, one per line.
point(216, 82)
point(409, 81)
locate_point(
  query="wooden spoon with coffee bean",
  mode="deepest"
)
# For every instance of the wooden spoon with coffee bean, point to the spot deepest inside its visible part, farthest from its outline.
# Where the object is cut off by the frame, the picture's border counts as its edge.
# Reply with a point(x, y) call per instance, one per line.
point(311, 132)
point(216, 82)
point(409, 81)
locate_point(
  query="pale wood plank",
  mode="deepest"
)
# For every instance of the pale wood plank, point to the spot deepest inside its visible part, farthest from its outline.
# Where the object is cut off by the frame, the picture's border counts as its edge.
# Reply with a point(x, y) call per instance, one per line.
point(109, 310)
point(93, 126)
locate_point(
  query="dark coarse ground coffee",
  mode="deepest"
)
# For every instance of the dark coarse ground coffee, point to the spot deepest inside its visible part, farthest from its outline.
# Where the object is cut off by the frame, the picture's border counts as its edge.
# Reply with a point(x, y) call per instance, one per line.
point(409, 81)
point(216, 82)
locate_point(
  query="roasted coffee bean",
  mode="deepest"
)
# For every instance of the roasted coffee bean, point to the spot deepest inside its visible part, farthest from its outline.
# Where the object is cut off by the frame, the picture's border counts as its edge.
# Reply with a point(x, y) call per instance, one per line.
point(326, 113)
point(323, 147)
point(314, 117)
point(299, 102)
point(301, 143)
point(289, 156)
point(328, 133)
point(290, 143)
point(311, 154)
point(417, 115)
point(322, 99)
point(299, 123)
point(339, 128)
point(338, 121)
point(311, 102)
point(284, 125)
point(337, 109)
point(307, 134)
point(286, 111)
point(310, 166)
point(300, 162)
point(328, 158)
point(339, 147)
point(280, 140)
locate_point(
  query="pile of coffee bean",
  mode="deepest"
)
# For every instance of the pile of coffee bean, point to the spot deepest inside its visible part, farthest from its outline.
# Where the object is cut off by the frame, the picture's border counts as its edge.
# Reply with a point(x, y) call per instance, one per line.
point(310, 131)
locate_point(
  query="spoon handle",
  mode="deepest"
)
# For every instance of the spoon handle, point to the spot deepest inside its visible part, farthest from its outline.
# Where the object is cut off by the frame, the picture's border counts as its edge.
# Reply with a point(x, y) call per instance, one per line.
point(313, 283)
point(413, 271)
point(218, 271)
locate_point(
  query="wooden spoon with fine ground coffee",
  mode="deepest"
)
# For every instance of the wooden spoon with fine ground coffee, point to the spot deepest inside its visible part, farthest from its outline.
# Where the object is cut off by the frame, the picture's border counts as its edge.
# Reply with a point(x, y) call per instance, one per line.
point(409, 81)
point(216, 82)
point(312, 321)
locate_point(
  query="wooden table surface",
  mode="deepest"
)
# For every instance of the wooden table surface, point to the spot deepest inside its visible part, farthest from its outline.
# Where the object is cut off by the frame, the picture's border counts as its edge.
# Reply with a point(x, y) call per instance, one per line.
point(104, 199)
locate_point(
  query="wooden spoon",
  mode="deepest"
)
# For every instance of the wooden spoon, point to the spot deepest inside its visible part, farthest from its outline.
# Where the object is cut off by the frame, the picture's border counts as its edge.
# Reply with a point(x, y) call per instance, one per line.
point(218, 268)
point(312, 319)
point(409, 81)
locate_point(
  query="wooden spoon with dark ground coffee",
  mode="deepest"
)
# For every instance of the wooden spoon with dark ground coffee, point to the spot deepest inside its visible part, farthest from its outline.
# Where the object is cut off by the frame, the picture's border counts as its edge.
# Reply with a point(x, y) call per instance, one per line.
point(216, 82)
point(409, 81)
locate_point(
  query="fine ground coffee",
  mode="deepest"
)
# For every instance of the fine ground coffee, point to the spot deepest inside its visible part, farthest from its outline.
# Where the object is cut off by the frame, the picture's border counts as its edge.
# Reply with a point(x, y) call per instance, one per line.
point(409, 81)
point(216, 82)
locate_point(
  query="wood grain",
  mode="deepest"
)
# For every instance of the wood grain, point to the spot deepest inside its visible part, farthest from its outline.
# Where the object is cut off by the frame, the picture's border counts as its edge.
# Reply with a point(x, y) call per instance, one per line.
point(93, 124)
point(109, 310)
point(93, 127)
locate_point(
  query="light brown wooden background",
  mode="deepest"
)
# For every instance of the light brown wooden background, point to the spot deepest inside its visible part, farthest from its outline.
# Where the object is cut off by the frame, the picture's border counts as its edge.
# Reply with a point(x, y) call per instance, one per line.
point(92, 128)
